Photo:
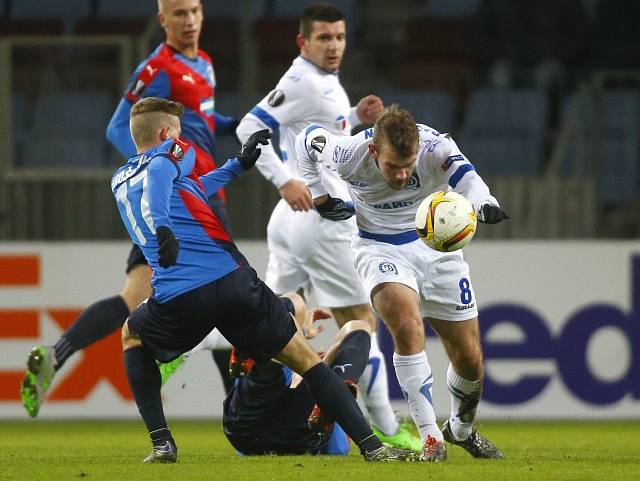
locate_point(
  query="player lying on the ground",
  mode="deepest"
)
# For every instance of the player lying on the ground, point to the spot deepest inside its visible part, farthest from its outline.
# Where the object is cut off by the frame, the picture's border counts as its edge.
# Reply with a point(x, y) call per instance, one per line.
point(201, 281)
point(270, 410)
point(390, 169)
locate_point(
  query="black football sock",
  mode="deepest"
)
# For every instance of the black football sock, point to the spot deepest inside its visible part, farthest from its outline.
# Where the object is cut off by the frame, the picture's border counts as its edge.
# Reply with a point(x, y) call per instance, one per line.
point(221, 358)
point(144, 381)
point(352, 356)
point(96, 322)
point(333, 396)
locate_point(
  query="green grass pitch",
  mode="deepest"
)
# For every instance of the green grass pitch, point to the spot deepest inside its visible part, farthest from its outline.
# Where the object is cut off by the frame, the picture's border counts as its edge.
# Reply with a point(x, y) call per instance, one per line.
point(113, 450)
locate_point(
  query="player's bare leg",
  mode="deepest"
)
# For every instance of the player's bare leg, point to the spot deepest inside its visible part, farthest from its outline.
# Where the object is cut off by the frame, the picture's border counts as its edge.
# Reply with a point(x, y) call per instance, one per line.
point(398, 306)
point(144, 380)
point(373, 385)
point(461, 340)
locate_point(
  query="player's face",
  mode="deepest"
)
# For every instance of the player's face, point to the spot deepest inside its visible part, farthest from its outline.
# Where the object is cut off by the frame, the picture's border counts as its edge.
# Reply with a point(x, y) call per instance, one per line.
point(182, 21)
point(395, 169)
point(325, 46)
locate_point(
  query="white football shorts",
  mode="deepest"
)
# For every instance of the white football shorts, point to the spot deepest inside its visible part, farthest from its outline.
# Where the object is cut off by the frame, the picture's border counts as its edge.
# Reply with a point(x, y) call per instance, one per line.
point(441, 279)
point(308, 251)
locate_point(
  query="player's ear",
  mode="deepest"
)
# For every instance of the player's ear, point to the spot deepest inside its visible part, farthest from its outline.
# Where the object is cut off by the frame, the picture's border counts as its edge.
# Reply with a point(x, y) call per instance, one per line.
point(301, 41)
point(160, 18)
point(164, 133)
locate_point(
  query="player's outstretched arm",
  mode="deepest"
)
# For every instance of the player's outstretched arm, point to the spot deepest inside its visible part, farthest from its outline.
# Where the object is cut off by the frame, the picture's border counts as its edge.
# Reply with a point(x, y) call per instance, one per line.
point(270, 165)
point(244, 160)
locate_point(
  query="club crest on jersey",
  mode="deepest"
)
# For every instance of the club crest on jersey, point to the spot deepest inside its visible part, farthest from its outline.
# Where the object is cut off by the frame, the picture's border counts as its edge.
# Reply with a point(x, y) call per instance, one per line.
point(414, 182)
point(139, 88)
point(388, 268)
point(275, 98)
point(176, 151)
point(318, 143)
point(341, 122)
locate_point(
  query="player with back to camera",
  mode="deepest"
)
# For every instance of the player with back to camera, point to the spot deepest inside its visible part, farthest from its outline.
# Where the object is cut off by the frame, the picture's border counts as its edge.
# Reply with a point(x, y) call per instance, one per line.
point(390, 169)
point(176, 70)
point(306, 251)
point(201, 281)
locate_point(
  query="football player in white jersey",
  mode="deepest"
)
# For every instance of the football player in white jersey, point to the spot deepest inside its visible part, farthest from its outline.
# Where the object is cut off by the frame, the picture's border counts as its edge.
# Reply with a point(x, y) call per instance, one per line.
point(390, 169)
point(305, 250)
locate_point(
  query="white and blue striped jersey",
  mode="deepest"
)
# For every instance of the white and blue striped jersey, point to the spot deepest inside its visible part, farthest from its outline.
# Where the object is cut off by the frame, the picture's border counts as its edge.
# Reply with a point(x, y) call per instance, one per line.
point(379, 208)
point(305, 94)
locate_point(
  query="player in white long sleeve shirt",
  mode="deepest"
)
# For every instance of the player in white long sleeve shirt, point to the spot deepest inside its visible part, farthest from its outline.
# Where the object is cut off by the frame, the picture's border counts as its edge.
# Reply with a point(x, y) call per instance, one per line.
point(310, 91)
point(390, 169)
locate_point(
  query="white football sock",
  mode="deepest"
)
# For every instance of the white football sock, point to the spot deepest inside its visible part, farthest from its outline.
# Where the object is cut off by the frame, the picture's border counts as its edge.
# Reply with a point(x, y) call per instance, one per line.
point(414, 376)
point(374, 390)
point(465, 396)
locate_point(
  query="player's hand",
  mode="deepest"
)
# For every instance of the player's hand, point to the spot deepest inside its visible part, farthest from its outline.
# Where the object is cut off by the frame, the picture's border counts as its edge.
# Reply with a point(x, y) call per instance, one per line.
point(317, 313)
point(297, 195)
point(334, 209)
point(369, 109)
point(168, 247)
point(491, 214)
point(250, 151)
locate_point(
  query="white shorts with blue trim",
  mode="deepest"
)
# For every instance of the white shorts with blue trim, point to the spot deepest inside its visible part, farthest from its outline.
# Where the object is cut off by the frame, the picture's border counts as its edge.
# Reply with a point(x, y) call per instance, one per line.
point(441, 279)
point(309, 252)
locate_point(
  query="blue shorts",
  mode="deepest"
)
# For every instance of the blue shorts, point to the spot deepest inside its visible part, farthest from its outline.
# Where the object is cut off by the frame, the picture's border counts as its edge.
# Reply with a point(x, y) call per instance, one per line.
point(239, 304)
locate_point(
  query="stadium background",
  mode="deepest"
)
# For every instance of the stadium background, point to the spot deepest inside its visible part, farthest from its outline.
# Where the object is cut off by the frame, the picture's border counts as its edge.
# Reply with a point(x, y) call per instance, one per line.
point(542, 96)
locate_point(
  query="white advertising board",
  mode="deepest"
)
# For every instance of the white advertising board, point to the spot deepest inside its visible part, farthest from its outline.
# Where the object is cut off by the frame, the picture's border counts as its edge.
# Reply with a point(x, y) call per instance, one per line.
point(560, 328)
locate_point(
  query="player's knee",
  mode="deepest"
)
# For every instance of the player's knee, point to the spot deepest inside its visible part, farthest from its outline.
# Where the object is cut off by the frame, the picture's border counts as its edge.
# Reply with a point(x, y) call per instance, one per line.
point(355, 325)
point(409, 329)
point(128, 339)
point(342, 315)
point(299, 305)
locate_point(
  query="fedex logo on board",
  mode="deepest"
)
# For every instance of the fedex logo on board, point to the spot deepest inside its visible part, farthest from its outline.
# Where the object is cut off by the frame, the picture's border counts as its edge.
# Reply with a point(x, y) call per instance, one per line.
point(100, 362)
point(567, 349)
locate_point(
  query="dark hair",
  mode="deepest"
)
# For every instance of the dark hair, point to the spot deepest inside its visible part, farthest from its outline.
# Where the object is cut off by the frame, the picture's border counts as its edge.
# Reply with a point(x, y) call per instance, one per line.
point(318, 12)
point(398, 127)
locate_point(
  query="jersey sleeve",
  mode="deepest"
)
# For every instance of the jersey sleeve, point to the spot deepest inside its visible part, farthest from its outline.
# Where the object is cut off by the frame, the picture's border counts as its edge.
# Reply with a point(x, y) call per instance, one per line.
point(450, 166)
point(161, 174)
point(292, 101)
point(316, 146)
point(148, 80)
point(218, 178)
point(173, 160)
point(224, 124)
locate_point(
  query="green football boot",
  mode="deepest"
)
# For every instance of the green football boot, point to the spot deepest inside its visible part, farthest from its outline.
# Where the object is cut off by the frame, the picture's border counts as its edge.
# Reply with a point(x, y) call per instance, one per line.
point(37, 379)
point(168, 369)
point(405, 438)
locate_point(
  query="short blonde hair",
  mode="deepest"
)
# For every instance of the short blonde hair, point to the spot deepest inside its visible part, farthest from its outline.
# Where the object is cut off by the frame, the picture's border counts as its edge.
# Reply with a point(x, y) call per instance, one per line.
point(398, 127)
point(150, 114)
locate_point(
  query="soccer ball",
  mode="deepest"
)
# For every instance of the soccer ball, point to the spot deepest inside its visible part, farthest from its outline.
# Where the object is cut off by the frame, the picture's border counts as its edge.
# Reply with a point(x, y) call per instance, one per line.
point(446, 221)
